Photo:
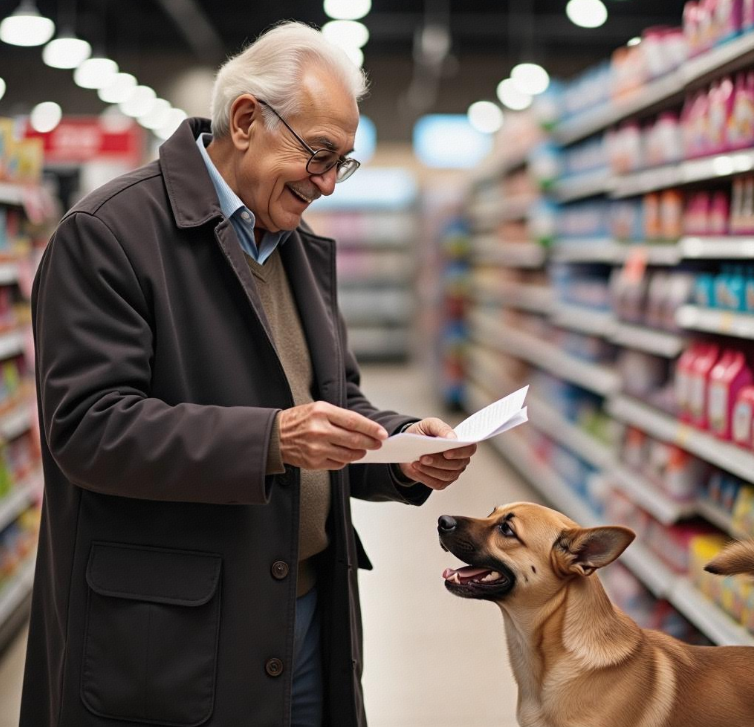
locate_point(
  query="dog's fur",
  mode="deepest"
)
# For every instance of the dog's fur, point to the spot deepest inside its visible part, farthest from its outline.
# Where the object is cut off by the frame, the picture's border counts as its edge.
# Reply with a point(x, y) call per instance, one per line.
point(577, 659)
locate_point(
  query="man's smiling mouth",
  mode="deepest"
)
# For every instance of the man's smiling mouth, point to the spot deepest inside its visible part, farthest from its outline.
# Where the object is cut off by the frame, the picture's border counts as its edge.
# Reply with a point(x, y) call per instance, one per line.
point(301, 196)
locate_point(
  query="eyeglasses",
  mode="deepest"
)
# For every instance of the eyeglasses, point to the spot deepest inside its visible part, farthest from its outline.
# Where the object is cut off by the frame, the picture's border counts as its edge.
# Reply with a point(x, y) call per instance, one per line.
point(321, 161)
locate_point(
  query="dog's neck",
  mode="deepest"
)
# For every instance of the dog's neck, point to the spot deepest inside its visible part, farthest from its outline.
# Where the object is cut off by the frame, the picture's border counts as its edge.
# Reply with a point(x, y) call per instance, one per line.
point(579, 626)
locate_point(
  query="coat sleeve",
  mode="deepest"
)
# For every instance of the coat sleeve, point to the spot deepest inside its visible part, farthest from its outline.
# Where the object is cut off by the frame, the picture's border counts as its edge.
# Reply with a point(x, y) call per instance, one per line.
point(94, 346)
point(376, 482)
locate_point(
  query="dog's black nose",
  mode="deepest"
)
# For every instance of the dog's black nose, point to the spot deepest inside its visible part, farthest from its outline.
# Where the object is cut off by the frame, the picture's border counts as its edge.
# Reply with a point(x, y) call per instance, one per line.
point(445, 523)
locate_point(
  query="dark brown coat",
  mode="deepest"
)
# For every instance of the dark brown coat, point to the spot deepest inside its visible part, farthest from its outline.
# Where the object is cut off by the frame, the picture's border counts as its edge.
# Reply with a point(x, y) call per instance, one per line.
point(165, 586)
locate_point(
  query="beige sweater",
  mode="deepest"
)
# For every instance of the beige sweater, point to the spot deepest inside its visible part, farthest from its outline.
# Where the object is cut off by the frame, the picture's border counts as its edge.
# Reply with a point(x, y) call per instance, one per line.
point(290, 342)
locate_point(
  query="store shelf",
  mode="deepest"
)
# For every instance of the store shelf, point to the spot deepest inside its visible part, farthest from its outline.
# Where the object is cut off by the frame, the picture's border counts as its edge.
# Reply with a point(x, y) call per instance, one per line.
point(662, 92)
point(551, 423)
point(687, 172)
point(709, 320)
point(531, 298)
point(593, 377)
point(583, 319)
point(15, 422)
point(706, 616)
point(649, 497)
point(581, 186)
point(719, 518)
point(13, 593)
point(516, 208)
point(19, 498)
point(11, 344)
point(662, 426)
point(649, 340)
point(602, 250)
point(489, 250)
point(718, 248)
point(660, 254)
point(11, 193)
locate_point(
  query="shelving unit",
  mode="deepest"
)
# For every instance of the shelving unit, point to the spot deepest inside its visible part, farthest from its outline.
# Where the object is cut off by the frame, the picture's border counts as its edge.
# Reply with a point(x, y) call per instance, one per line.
point(726, 323)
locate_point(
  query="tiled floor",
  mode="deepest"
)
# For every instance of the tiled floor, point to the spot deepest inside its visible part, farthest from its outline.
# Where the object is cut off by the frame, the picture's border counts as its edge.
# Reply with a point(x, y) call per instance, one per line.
point(432, 660)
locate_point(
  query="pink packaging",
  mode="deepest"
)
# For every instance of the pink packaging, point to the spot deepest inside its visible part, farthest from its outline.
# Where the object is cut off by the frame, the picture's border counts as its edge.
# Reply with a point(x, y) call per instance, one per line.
point(696, 220)
point(682, 385)
point(720, 109)
point(727, 19)
point(691, 27)
point(719, 213)
point(740, 134)
point(747, 15)
point(699, 384)
point(727, 378)
point(742, 427)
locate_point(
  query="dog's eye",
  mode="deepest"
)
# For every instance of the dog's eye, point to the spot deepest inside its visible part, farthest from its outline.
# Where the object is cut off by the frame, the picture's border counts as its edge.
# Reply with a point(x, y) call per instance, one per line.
point(505, 528)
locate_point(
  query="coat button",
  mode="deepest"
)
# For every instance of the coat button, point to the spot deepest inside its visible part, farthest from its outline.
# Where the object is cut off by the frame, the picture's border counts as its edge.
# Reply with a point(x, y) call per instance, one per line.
point(274, 667)
point(280, 569)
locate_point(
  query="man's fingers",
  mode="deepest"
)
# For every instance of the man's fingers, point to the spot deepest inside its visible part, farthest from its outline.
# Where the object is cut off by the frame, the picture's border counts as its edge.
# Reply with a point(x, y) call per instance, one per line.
point(353, 440)
point(437, 473)
point(434, 427)
point(440, 462)
point(354, 422)
point(460, 452)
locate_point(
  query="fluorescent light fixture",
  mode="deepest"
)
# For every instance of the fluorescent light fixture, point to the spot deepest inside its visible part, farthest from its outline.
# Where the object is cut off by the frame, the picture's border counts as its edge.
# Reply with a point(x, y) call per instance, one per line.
point(347, 9)
point(485, 116)
point(45, 116)
point(114, 120)
point(586, 13)
point(355, 54)
point(449, 141)
point(634, 41)
point(26, 27)
point(118, 88)
point(346, 33)
point(530, 78)
point(3, 86)
point(139, 102)
point(510, 95)
point(175, 119)
point(66, 51)
point(158, 115)
point(95, 72)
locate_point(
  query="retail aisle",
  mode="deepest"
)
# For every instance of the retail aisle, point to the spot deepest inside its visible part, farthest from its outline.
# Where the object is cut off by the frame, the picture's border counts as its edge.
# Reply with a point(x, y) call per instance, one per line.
point(432, 660)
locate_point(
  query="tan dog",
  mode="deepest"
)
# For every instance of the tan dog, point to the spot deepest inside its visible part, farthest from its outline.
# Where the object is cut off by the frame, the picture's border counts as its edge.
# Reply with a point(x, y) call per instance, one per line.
point(578, 660)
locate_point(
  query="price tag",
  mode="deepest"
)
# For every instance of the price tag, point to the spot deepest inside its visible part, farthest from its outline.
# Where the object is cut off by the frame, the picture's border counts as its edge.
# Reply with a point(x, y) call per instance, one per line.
point(727, 319)
point(682, 435)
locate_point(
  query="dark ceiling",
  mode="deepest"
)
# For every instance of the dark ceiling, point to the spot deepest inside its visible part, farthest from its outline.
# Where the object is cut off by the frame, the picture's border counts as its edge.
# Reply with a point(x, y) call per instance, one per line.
point(156, 38)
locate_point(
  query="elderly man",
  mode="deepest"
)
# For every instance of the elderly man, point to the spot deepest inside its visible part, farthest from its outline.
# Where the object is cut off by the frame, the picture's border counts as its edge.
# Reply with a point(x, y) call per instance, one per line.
point(200, 412)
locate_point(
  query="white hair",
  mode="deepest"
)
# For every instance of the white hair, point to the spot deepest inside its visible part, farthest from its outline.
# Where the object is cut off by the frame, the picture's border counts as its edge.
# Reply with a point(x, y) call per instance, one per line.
point(271, 69)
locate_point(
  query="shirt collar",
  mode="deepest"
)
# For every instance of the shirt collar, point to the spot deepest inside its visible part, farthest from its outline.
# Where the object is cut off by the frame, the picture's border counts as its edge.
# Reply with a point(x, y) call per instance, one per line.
point(230, 202)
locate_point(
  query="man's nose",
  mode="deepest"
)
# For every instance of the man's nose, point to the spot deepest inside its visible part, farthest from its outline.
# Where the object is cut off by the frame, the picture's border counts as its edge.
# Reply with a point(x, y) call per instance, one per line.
point(326, 182)
point(446, 524)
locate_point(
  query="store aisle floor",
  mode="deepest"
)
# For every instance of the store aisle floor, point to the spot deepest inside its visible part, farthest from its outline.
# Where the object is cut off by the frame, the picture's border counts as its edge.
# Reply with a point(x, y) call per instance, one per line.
point(432, 660)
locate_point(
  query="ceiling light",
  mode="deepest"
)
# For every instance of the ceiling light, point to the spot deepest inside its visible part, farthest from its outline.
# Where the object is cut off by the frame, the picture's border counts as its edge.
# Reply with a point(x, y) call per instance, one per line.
point(347, 9)
point(139, 102)
point(95, 72)
point(45, 116)
point(115, 121)
point(26, 27)
point(118, 88)
point(346, 33)
point(530, 78)
point(587, 13)
point(485, 116)
point(634, 41)
point(175, 119)
point(2, 87)
point(66, 51)
point(510, 95)
point(158, 115)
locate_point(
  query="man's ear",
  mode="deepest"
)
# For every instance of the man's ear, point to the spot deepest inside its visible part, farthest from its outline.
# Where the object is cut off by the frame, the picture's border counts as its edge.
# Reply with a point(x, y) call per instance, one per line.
point(580, 551)
point(245, 111)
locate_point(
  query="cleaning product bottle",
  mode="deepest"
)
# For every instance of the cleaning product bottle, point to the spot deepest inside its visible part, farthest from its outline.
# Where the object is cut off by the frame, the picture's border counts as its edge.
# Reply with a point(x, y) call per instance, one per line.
point(727, 19)
point(682, 380)
point(742, 427)
point(703, 365)
point(726, 379)
point(719, 214)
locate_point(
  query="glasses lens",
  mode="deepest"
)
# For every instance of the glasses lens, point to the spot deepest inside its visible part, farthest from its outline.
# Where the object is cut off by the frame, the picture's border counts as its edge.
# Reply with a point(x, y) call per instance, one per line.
point(346, 169)
point(322, 161)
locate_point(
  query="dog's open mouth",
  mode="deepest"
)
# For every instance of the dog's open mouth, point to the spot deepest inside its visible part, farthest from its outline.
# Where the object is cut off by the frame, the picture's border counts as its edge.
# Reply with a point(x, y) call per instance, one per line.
point(473, 582)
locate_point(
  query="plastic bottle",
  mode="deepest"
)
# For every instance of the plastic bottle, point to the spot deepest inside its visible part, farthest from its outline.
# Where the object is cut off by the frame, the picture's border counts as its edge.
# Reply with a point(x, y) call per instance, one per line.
point(691, 27)
point(727, 19)
point(719, 213)
point(740, 133)
point(699, 385)
point(726, 379)
point(720, 108)
point(671, 215)
point(682, 380)
point(742, 426)
point(747, 15)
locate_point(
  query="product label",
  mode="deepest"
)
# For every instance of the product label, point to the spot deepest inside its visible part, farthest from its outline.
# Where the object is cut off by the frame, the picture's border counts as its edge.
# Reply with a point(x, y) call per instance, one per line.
point(718, 407)
point(696, 397)
point(742, 414)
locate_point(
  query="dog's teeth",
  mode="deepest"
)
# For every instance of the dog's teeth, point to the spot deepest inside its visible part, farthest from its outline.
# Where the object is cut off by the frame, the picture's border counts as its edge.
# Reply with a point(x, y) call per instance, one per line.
point(455, 579)
point(491, 577)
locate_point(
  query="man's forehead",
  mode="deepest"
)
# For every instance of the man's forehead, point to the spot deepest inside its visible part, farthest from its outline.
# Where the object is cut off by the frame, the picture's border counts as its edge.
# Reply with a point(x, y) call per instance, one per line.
point(326, 99)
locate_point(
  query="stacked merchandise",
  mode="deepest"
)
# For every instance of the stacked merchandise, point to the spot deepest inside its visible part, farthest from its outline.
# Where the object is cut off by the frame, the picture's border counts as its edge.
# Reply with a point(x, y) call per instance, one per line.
point(642, 397)
point(23, 232)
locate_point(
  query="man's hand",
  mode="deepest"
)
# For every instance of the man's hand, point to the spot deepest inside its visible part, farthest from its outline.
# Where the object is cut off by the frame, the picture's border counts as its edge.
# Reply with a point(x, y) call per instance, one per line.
point(442, 469)
point(321, 436)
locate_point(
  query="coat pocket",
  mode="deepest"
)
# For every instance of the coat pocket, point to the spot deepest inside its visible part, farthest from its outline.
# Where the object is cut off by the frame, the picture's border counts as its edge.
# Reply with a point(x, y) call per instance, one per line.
point(150, 649)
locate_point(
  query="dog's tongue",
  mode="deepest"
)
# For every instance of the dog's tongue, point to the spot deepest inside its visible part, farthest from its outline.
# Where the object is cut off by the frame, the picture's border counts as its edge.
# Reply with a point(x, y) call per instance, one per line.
point(466, 572)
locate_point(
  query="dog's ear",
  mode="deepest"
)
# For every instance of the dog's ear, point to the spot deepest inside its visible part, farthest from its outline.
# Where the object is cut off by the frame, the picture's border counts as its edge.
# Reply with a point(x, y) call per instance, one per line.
point(580, 551)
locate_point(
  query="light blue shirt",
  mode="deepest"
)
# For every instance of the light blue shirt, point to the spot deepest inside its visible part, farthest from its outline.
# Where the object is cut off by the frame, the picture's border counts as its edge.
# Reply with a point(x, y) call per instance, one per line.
point(240, 216)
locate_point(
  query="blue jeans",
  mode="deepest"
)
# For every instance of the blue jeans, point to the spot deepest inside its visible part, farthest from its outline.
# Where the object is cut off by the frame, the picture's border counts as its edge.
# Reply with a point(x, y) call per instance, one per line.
point(307, 664)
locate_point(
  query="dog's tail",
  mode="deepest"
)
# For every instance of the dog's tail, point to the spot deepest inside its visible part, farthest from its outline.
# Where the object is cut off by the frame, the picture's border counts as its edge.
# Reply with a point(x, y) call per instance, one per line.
point(735, 558)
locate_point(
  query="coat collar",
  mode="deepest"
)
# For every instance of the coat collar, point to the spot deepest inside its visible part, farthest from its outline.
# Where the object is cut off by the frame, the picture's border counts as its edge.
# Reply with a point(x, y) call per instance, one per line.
point(192, 195)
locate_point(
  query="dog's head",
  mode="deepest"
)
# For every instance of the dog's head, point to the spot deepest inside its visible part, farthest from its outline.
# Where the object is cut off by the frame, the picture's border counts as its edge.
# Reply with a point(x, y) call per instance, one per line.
point(524, 553)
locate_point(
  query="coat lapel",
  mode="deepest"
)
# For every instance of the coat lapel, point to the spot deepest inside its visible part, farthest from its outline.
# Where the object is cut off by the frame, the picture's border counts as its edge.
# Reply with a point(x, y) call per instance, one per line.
point(309, 262)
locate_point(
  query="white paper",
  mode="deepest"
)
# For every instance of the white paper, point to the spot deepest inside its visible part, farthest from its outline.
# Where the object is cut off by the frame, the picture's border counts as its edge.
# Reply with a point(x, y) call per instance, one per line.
point(498, 417)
